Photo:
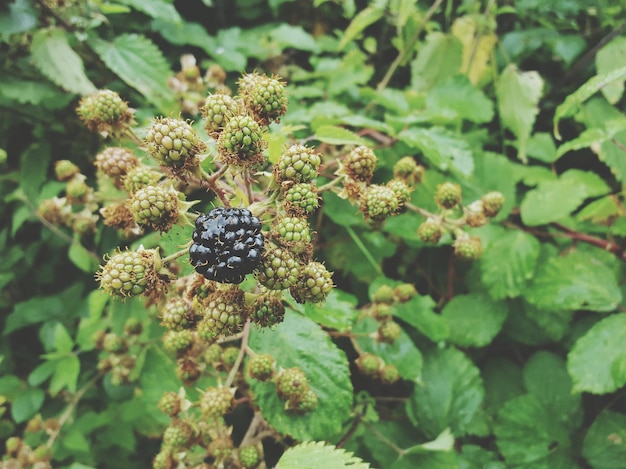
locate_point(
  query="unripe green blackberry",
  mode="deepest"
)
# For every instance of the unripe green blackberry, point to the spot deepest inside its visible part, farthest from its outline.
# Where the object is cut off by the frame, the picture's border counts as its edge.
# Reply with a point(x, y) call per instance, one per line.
point(301, 199)
point(360, 164)
point(229, 356)
point(104, 111)
point(115, 162)
point(178, 342)
point(241, 142)
point(389, 331)
point(155, 206)
point(475, 214)
point(139, 177)
point(261, 367)
point(401, 189)
point(217, 111)
point(381, 311)
point(170, 404)
point(492, 203)
point(224, 314)
point(249, 456)
point(163, 459)
point(278, 268)
point(293, 232)
point(177, 314)
point(389, 374)
point(65, 170)
point(292, 383)
point(448, 195)
point(178, 435)
point(41, 453)
point(468, 248)
point(407, 170)
point(264, 97)
point(378, 202)
point(313, 285)
point(384, 294)
point(216, 402)
point(213, 353)
point(56, 210)
point(173, 143)
point(129, 273)
point(13, 445)
point(77, 190)
point(430, 231)
point(267, 311)
point(221, 449)
point(298, 163)
point(369, 364)
point(404, 292)
point(188, 369)
point(113, 343)
point(305, 403)
point(84, 222)
point(133, 326)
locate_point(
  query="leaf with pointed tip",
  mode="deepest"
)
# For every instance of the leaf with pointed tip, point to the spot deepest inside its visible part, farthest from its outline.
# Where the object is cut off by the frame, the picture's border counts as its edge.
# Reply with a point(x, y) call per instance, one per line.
point(316, 454)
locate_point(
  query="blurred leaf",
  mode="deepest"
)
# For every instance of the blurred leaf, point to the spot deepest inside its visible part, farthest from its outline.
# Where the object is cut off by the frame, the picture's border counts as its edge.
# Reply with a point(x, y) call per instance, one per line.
point(528, 435)
point(158, 375)
point(299, 342)
point(575, 281)
point(605, 443)
point(364, 18)
point(503, 381)
point(294, 37)
point(597, 362)
point(518, 96)
point(140, 63)
point(53, 56)
point(27, 404)
point(163, 9)
point(508, 264)
point(33, 168)
point(65, 375)
point(21, 17)
point(340, 211)
point(477, 47)
point(591, 87)
point(609, 58)
point(552, 201)
point(419, 313)
point(337, 136)
point(476, 457)
point(439, 58)
point(402, 353)
point(337, 312)
point(443, 148)
point(541, 147)
point(315, 454)
point(474, 319)
point(448, 394)
point(82, 258)
point(462, 98)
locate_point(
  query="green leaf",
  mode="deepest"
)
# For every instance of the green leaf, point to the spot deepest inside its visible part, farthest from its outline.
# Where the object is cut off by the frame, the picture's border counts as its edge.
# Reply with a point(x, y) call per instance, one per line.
point(529, 436)
point(541, 147)
point(402, 353)
point(439, 58)
point(32, 311)
point(65, 375)
point(609, 58)
point(299, 342)
point(90, 324)
point(82, 258)
point(591, 183)
point(294, 37)
point(10, 386)
point(316, 454)
point(575, 281)
point(37, 93)
point(545, 376)
point(586, 91)
point(586, 139)
point(163, 9)
point(158, 375)
point(436, 454)
point(362, 20)
point(140, 63)
point(443, 148)
point(449, 394)
point(508, 264)
point(337, 136)
point(597, 362)
point(340, 211)
point(605, 443)
point(21, 17)
point(552, 201)
point(27, 404)
point(464, 100)
point(53, 56)
point(474, 319)
point(518, 95)
point(33, 169)
point(419, 313)
point(503, 382)
point(337, 312)
point(476, 457)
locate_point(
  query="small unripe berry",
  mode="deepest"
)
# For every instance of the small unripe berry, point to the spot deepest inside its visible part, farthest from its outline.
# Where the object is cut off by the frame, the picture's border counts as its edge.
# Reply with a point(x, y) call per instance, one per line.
point(77, 190)
point(178, 342)
point(298, 163)
point(130, 273)
point(384, 294)
point(224, 313)
point(249, 456)
point(475, 214)
point(170, 404)
point(408, 170)
point(301, 199)
point(241, 142)
point(302, 404)
point(178, 435)
point(404, 292)
point(264, 97)
point(229, 355)
point(294, 233)
point(155, 206)
point(448, 195)
point(173, 143)
point(116, 162)
point(217, 111)
point(13, 445)
point(369, 364)
point(216, 402)
point(261, 367)
point(379, 202)
point(278, 268)
point(105, 112)
point(389, 374)
point(401, 189)
point(313, 285)
point(292, 383)
point(430, 231)
point(65, 170)
point(468, 248)
point(492, 203)
point(177, 314)
point(139, 177)
point(213, 353)
point(113, 343)
point(267, 311)
point(360, 164)
point(389, 331)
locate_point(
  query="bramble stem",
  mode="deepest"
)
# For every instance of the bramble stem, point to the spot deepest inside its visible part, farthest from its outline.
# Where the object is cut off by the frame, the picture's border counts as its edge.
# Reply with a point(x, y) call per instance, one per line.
point(242, 351)
point(176, 255)
point(363, 249)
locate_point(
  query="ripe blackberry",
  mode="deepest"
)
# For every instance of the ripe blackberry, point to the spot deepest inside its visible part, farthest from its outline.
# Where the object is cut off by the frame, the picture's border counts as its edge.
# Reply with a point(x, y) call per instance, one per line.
point(227, 244)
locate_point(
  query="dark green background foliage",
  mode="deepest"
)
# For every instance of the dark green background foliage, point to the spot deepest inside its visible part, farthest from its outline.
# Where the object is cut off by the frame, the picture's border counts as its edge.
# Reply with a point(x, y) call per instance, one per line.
point(515, 360)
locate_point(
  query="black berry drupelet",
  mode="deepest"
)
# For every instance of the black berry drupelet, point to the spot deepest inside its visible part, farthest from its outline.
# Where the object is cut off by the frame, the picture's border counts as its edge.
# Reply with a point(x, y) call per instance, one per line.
point(227, 244)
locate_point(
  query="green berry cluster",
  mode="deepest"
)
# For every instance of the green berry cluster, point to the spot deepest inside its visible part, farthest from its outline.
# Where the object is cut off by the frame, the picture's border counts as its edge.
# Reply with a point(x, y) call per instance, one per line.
point(241, 142)
point(129, 273)
point(218, 109)
point(261, 367)
point(216, 402)
point(264, 96)
point(297, 164)
point(293, 387)
point(372, 366)
point(155, 206)
point(173, 143)
point(222, 313)
point(105, 112)
point(177, 314)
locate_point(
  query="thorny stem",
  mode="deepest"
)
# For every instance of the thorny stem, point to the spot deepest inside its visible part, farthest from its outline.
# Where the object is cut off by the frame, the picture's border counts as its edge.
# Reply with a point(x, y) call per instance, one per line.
point(130, 133)
point(248, 185)
point(211, 181)
point(409, 46)
point(175, 256)
point(242, 351)
point(331, 184)
point(416, 209)
point(70, 408)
